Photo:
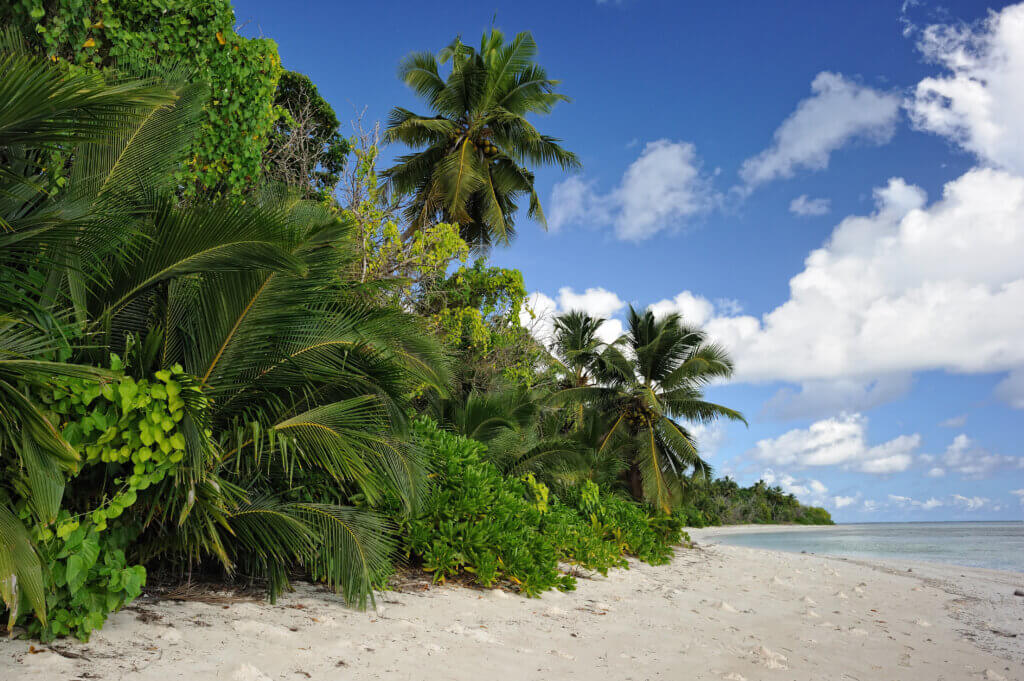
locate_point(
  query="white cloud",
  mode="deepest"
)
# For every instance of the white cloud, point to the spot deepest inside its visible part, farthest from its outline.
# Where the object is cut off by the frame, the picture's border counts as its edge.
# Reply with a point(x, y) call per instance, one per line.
point(838, 111)
point(806, 207)
point(979, 102)
point(819, 398)
point(958, 421)
point(904, 289)
point(539, 311)
point(936, 472)
point(963, 456)
point(808, 490)
point(909, 503)
point(843, 502)
point(970, 503)
point(1019, 493)
point(597, 302)
point(708, 437)
point(661, 190)
point(1011, 389)
point(838, 441)
point(694, 309)
point(870, 505)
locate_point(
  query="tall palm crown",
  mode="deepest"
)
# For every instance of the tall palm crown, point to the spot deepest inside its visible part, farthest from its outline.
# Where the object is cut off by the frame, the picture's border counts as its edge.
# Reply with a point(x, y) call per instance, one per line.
point(646, 382)
point(471, 161)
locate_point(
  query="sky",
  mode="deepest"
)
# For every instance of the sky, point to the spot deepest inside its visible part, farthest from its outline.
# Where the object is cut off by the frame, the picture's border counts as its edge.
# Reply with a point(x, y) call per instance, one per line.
point(835, 191)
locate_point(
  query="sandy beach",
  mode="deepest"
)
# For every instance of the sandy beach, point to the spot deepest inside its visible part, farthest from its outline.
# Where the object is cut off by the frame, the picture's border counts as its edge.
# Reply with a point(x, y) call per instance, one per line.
point(717, 612)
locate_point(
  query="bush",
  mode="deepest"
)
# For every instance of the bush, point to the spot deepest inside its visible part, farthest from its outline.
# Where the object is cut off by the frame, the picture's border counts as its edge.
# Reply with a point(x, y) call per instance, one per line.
point(198, 38)
point(128, 436)
point(514, 530)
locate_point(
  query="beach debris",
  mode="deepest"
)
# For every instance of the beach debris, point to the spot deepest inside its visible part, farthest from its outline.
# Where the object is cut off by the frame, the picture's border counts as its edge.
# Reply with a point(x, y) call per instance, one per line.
point(1018, 592)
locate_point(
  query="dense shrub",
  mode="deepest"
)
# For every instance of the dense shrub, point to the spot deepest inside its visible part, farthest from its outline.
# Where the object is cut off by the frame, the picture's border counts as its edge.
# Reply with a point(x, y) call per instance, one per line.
point(724, 502)
point(196, 37)
point(126, 435)
point(514, 530)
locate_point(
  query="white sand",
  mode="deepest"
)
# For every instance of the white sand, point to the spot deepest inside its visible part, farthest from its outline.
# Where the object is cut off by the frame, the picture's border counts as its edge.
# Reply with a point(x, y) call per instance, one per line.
point(717, 612)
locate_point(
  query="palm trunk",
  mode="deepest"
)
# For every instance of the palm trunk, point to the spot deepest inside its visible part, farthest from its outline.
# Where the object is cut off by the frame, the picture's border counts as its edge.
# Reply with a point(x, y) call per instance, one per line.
point(636, 482)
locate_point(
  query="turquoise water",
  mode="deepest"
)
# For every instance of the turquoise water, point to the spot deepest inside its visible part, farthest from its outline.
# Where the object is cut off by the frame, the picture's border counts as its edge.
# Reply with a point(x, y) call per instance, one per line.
point(998, 546)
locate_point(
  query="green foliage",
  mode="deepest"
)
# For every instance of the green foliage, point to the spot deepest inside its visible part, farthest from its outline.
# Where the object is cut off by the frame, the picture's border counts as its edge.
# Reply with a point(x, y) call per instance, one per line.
point(197, 38)
point(474, 520)
point(648, 535)
point(644, 385)
point(296, 366)
point(125, 434)
point(470, 163)
point(88, 578)
point(305, 148)
point(476, 312)
point(724, 502)
point(514, 530)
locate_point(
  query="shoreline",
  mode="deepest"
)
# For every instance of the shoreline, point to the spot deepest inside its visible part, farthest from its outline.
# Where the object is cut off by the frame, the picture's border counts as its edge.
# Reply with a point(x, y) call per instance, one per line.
point(717, 611)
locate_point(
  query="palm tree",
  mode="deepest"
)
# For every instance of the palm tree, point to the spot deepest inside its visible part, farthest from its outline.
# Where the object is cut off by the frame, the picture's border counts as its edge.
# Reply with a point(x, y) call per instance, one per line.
point(305, 377)
point(471, 163)
point(646, 383)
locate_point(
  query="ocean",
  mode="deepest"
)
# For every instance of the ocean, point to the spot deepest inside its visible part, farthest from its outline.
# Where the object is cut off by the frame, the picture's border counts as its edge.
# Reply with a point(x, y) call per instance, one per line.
point(994, 545)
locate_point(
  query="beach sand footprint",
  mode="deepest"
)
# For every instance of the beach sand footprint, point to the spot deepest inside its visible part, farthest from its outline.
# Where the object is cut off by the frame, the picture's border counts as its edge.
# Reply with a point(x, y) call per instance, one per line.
point(768, 658)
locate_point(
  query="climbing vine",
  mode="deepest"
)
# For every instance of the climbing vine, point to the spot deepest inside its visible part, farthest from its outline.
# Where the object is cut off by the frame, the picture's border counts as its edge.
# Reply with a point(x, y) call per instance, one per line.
point(196, 39)
point(130, 431)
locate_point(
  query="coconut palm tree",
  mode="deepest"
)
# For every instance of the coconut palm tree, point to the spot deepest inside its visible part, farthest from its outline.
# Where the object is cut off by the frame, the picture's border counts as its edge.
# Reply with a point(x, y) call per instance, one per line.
point(304, 378)
point(647, 384)
point(473, 157)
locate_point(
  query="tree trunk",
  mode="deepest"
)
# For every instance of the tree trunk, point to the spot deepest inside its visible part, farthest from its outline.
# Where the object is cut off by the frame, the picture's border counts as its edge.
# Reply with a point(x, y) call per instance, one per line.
point(636, 482)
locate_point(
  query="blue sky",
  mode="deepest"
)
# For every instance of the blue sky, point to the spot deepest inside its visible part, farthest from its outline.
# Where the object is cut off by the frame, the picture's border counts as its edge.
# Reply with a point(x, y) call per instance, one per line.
point(836, 190)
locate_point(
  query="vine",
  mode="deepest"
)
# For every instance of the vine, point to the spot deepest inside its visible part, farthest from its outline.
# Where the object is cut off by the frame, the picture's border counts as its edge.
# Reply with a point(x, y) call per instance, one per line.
point(132, 430)
point(195, 38)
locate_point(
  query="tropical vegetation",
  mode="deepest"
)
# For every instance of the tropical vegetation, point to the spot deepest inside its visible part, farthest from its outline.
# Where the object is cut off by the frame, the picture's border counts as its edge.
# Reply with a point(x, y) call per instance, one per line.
point(268, 361)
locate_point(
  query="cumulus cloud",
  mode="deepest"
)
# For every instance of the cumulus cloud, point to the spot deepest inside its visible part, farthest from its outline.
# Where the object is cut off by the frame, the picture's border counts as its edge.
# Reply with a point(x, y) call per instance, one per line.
point(1019, 493)
point(663, 188)
point(969, 460)
point(839, 441)
point(539, 311)
point(807, 207)
point(903, 289)
point(708, 437)
point(842, 502)
point(808, 490)
point(978, 102)
point(694, 309)
point(838, 111)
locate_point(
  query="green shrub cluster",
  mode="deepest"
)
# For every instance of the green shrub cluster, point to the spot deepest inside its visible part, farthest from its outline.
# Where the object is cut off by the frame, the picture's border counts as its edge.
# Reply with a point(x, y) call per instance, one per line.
point(198, 38)
point(514, 529)
point(723, 502)
point(126, 436)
